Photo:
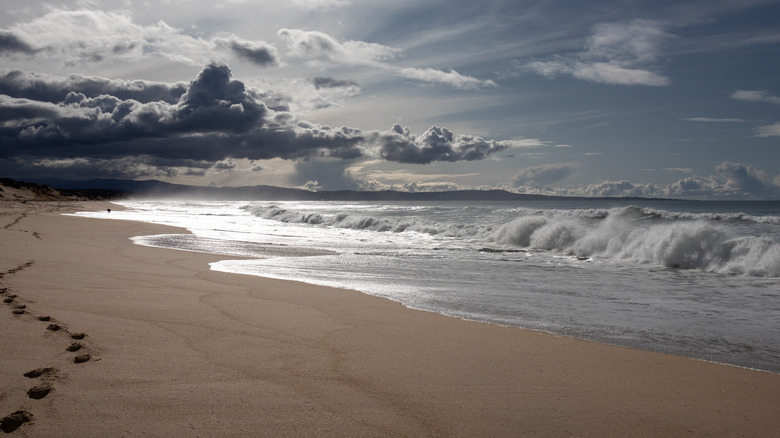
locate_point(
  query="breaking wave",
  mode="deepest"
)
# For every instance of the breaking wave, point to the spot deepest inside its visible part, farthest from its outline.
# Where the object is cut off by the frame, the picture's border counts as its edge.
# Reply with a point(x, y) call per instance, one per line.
point(704, 241)
point(350, 220)
point(688, 245)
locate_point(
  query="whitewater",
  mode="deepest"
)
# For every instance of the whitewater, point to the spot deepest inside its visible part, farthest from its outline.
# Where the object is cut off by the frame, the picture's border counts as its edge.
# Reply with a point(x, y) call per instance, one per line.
point(697, 279)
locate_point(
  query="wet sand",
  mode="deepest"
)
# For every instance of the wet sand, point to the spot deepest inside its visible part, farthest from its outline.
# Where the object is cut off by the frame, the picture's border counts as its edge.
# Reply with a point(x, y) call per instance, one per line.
point(170, 348)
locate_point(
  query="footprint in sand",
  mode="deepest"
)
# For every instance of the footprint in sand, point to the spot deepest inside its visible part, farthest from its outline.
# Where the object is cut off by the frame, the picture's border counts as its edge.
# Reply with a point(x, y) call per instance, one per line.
point(39, 392)
point(38, 372)
point(82, 358)
point(44, 318)
point(74, 347)
point(12, 422)
point(53, 327)
point(77, 336)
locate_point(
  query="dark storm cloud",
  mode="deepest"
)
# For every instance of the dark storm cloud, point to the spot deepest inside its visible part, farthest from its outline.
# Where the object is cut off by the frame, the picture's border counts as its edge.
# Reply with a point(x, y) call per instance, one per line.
point(303, 141)
point(261, 54)
point(10, 43)
point(214, 102)
point(320, 82)
point(15, 109)
point(20, 84)
point(215, 119)
point(123, 167)
point(436, 144)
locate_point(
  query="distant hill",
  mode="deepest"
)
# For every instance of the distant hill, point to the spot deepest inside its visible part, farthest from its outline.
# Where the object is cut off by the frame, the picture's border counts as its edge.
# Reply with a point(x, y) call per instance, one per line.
point(159, 189)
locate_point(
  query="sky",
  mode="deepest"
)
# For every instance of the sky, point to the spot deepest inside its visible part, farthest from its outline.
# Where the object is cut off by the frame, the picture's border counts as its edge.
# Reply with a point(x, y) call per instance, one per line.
point(600, 98)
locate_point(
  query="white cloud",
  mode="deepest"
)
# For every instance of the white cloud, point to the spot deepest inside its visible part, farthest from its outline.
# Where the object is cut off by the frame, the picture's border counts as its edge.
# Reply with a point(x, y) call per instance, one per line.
point(319, 4)
point(615, 74)
point(746, 179)
point(634, 42)
point(452, 78)
point(529, 143)
point(712, 120)
point(772, 130)
point(544, 174)
point(731, 180)
point(311, 44)
point(93, 36)
point(88, 36)
point(603, 72)
point(318, 45)
point(228, 165)
point(615, 54)
point(755, 96)
point(694, 187)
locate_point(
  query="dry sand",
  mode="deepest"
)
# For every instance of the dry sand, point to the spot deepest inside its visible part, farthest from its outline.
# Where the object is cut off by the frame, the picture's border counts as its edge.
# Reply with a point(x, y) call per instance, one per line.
point(179, 350)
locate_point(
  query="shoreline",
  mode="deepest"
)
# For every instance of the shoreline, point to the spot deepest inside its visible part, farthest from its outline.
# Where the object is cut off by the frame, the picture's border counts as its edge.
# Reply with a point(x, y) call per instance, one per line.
point(617, 313)
point(180, 350)
point(495, 323)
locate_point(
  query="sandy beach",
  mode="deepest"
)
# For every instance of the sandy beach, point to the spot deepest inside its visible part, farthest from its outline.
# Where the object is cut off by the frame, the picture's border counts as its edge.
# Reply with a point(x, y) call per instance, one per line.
point(171, 348)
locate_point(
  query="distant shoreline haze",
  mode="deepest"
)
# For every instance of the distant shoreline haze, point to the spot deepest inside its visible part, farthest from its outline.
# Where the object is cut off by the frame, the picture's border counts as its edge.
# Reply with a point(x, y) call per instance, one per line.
point(159, 189)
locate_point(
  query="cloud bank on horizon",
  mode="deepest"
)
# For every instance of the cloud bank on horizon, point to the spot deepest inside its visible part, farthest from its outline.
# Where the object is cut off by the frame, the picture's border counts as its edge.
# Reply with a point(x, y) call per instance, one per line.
point(665, 101)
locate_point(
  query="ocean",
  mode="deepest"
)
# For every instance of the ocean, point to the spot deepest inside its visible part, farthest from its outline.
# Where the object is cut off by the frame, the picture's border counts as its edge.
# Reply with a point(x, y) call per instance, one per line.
point(690, 278)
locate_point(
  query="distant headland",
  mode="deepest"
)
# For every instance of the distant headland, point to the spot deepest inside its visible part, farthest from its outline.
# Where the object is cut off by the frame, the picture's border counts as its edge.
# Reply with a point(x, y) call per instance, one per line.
point(107, 189)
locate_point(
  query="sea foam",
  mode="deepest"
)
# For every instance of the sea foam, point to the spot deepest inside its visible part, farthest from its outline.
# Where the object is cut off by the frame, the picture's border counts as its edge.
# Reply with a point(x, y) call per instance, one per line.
point(704, 241)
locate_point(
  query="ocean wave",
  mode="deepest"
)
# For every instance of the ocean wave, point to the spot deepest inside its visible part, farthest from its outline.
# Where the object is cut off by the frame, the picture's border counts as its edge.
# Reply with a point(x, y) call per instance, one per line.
point(695, 244)
point(648, 213)
point(634, 234)
point(725, 217)
point(353, 221)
